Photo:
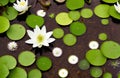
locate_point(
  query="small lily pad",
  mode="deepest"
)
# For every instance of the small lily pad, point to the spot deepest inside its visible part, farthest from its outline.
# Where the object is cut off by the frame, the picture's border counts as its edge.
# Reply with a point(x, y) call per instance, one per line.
point(102, 10)
point(110, 49)
point(58, 33)
point(95, 57)
point(114, 13)
point(4, 24)
point(110, 1)
point(16, 32)
point(86, 13)
point(102, 36)
point(74, 15)
point(107, 75)
point(35, 73)
point(78, 28)
point(10, 13)
point(17, 72)
point(33, 20)
point(63, 19)
point(4, 2)
point(105, 21)
point(30, 58)
point(12, 1)
point(84, 64)
point(74, 4)
point(9, 61)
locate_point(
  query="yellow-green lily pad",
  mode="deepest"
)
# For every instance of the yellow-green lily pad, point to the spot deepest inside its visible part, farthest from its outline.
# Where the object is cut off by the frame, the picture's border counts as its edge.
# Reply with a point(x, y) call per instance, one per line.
point(109, 1)
point(4, 2)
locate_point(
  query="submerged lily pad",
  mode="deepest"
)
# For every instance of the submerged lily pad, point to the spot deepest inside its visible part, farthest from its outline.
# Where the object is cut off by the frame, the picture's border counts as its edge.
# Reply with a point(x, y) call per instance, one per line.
point(102, 10)
point(109, 1)
point(74, 4)
point(3, 2)
point(110, 49)
point(10, 13)
point(95, 57)
point(114, 13)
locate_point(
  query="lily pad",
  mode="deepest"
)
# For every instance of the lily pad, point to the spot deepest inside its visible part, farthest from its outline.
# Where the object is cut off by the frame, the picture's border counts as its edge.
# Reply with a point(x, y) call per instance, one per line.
point(35, 73)
point(102, 10)
point(110, 49)
point(105, 21)
point(107, 75)
point(95, 57)
point(4, 24)
point(33, 20)
point(12, 1)
point(84, 64)
point(74, 4)
point(9, 61)
point(114, 13)
point(17, 72)
point(86, 13)
point(110, 1)
point(63, 19)
point(4, 2)
point(16, 32)
point(10, 13)
point(74, 15)
point(58, 33)
point(102, 36)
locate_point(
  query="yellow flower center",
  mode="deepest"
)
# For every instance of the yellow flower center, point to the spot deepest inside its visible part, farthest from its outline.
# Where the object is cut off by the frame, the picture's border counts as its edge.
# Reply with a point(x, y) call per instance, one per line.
point(22, 3)
point(40, 38)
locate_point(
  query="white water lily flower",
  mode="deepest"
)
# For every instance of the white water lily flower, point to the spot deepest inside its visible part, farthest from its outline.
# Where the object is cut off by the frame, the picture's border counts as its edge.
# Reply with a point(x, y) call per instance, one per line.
point(39, 37)
point(117, 7)
point(41, 13)
point(21, 6)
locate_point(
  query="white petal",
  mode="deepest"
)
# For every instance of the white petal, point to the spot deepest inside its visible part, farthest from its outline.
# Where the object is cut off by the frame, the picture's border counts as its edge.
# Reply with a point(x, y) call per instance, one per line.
point(50, 40)
point(49, 34)
point(18, 1)
point(73, 59)
point(30, 33)
point(118, 4)
point(41, 13)
point(40, 46)
point(43, 30)
point(37, 29)
point(26, 2)
point(45, 43)
point(35, 45)
point(29, 41)
point(17, 8)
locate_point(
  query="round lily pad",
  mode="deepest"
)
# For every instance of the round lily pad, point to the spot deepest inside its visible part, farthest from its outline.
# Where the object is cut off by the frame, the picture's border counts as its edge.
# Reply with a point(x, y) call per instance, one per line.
point(35, 73)
point(95, 57)
point(110, 49)
point(105, 21)
point(17, 72)
point(102, 36)
point(16, 32)
point(74, 15)
point(30, 58)
point(96, 72)
point(10, 13)
point(102, 10)
point(33, 20)
point(12, 1)
point(69, 40)
point(9, 61)
point(58, 33)
point(44, 63)
point(107, 75)
point(77, 28)
point(4, 72)
point(86, 13)
point(110, 1)
point(4, 24)
point(84, 64)
point(63, 19)
point(114, 13)
point(3, 2)
point(74, 4)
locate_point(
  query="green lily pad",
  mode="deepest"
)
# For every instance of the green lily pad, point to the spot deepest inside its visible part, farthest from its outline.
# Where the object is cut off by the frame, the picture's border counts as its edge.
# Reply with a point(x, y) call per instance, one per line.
point(74, 15)
point(102, 10)
point(3, 2)
point(114, 13)
point(16, 32)
point(44, 63)
point(96, 72)
point(110, 1)
point(58, 33)
point(4, 72)
point(17, 72)
point(84, 64)
point(78, 28)
point(35, 73)
point(63, 19)
point(9, 61)
point(33, 20)
point(102, 36)
point(69, 40)
point(107, 75)
point(105, 21)
point(12, 1)
point(4, 24)
point(10, 13)
point(95, 57)
point(74, 4)
point(86, 13)
point(30, 58)
point(110, 49)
